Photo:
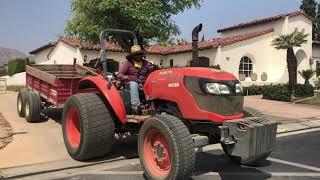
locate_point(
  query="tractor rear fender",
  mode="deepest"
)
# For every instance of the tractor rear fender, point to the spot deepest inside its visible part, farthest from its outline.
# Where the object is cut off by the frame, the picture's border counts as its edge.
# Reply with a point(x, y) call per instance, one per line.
point(111, 95)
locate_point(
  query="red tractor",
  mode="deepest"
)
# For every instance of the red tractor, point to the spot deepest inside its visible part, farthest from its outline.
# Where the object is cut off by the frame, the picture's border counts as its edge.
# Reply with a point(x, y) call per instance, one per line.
point(185, 108)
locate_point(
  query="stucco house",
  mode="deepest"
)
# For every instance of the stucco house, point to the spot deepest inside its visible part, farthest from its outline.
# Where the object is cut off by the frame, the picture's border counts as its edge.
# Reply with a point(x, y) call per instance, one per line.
point(244, 50)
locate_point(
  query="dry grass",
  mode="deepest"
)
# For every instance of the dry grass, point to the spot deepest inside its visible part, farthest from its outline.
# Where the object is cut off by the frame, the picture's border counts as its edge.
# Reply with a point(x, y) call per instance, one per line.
point(14, 88)
point(312, 101)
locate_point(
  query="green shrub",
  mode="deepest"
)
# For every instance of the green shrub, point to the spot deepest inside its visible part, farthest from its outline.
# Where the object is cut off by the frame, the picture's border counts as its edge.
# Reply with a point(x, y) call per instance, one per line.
point(253, 90)
point(215, 66)
point(282, 93)
point(277, 92)
point(16, 66)
point(304, 90)
point(3, 71)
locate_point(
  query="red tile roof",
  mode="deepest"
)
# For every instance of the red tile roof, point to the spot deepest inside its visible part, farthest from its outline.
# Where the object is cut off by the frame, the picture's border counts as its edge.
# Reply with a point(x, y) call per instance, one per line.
point(264, 20)
point(90, 46)
point(50, 44)
point(213, 43)
point(166, 50)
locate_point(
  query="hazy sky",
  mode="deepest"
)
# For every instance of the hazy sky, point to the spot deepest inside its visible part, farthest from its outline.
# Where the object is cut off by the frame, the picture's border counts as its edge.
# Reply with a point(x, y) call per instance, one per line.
point(28, 24)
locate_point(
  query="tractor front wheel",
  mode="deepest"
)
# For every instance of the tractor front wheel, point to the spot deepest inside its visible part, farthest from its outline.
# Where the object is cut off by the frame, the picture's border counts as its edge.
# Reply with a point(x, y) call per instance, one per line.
point(87, 125)
point(166, 149)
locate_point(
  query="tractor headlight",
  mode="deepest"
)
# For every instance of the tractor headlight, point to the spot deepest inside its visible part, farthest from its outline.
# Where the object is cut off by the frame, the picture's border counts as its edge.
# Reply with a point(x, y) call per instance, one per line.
point(217, 88)
point(239, 88)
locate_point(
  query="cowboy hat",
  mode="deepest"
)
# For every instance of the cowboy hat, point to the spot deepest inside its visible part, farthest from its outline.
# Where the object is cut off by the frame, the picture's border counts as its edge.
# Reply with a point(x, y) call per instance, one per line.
point(135, 49)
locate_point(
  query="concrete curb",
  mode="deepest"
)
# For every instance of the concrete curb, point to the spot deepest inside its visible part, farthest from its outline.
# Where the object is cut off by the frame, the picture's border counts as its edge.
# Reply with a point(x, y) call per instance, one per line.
point(297, 126)
point(35, 169)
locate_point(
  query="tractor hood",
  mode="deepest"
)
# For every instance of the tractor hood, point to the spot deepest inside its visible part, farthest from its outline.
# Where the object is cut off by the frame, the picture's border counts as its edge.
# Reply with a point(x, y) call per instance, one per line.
point(200, 72)
point(186, 88)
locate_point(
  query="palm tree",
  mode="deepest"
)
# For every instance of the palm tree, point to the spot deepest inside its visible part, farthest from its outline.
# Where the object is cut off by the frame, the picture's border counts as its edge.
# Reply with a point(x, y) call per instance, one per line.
point(288, 42)
point(307, 75)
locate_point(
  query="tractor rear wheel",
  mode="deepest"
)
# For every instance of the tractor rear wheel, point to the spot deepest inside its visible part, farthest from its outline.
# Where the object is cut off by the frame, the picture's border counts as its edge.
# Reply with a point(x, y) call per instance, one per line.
point(33, 108)
point(88, 128)
point(166, 149)
point(21, 102)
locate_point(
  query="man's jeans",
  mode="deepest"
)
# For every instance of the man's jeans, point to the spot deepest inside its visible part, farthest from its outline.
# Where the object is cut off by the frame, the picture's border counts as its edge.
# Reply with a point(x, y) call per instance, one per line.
point(134, 93)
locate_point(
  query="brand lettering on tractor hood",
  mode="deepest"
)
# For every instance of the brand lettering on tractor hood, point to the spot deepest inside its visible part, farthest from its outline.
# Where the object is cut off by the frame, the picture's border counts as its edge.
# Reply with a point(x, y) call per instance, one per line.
point(173, 85)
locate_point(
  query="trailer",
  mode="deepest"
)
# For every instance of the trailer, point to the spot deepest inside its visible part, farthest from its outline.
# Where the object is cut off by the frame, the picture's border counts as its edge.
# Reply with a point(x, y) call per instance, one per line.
point(51, 85)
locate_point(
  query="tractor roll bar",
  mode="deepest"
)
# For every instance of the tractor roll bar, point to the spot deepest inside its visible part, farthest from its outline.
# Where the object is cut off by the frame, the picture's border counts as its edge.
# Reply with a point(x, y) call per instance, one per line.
point(103, 54)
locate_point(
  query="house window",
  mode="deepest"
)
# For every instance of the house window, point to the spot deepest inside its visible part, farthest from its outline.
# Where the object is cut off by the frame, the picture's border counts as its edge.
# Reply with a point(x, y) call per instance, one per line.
point(171, 62)
point(161, 62)
point(246, 66)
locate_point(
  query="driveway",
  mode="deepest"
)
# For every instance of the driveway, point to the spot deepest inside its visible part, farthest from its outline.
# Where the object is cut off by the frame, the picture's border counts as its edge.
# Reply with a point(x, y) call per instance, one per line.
point(283, 112)
point(32, 143)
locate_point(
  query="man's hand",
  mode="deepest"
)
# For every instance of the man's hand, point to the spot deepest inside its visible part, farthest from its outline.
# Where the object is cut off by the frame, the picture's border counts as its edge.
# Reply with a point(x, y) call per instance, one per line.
point(117, 84)
point(125, 77)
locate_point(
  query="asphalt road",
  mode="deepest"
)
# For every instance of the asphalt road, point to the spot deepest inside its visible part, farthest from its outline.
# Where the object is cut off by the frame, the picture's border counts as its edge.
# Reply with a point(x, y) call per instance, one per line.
point(295, 157)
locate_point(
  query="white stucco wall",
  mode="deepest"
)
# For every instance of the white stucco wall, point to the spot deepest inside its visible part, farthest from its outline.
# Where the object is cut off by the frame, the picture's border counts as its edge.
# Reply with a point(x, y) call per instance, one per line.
point(41, 57)
point(265, 58)
point(64, 54)
point(18, 79)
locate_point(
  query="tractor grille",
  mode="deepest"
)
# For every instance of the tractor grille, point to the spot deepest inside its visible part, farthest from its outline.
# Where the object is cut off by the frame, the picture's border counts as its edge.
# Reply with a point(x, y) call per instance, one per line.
point(223, 105)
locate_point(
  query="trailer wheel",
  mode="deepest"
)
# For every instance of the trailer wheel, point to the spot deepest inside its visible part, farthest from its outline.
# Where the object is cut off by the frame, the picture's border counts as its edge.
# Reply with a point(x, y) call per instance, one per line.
point(88, 128)
point(32, 108)
point(166, 149)
point(21, 102)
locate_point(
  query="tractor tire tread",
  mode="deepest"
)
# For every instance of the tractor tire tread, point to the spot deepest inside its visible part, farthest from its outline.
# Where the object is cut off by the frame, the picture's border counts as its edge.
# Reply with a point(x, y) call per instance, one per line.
point(97, 129)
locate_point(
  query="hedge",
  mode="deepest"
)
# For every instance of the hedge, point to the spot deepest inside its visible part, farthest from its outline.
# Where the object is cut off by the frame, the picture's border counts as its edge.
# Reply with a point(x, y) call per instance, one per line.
point(253, 90)
point(16, 66)
point(282, 93)
point(277, 92)
point(304, 90)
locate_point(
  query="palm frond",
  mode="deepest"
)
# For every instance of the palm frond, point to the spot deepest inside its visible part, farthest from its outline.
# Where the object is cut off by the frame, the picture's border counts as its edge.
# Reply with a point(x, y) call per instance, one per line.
point(294, 39)
point(307, 74)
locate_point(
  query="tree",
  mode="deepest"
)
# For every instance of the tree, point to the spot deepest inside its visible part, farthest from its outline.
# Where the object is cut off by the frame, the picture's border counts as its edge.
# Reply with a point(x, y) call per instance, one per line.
point(150, 19)
point(307, 75)
point(310, 8)
point(288, 42)
point(317, 24)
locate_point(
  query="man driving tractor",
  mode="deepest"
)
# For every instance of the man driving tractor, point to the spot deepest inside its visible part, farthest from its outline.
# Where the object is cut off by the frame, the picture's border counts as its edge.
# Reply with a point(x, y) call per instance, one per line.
point(135, 71)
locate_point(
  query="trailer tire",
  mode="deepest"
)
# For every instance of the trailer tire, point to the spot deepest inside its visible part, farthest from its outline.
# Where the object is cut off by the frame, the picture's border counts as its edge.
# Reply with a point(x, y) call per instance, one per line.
point(168, 136)
point(32, 108)
point(88, 127)
point(21, 102)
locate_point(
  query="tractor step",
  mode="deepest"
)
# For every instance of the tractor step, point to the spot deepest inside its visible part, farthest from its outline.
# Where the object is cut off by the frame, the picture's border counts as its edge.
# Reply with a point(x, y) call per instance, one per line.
point(137, 119)
point(200, 140)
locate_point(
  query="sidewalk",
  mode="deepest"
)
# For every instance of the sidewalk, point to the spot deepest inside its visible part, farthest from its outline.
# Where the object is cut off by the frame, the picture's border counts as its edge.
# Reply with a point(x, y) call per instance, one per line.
point(291, 117)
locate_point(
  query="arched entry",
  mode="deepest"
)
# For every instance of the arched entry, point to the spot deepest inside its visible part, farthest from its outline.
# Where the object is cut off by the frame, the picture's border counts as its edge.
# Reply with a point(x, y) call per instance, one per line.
point(302, 64)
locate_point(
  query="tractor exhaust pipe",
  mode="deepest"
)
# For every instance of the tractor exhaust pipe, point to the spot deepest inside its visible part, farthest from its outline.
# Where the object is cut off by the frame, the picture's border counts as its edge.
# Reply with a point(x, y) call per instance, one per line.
point(195, 39)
